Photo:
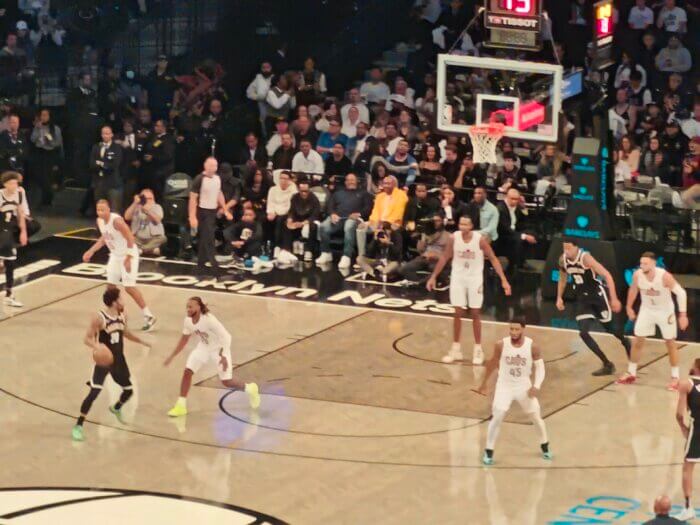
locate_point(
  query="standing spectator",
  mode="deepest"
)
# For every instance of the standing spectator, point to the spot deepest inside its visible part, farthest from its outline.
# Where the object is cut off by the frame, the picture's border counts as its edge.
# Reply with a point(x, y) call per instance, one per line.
point(279, 199)
point(284, 155)
point(307, 160)
point(337, 164)
point(231, 187)
point(129, 94)
point(14, 147)
point(647, 58)
point(161, 86)
point(48, 151)
point(329, 138)
point(105, 165)
point(641, 17)
point(346, 209)
point(389, 207)
point(159, 159)
point(672, 19)
point(146, 218)
point(375, 91)
point(355, 101)
point(674, 58)
point(131, 159)
point(312, 84)
point(280, 102)
point(206, 198)
point(304, 212)
point(257, 91)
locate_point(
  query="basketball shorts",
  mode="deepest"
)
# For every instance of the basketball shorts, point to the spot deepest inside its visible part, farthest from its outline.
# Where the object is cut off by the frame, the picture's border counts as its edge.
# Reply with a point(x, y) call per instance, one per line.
point(117, 274)
point(648, 320)
point(203, 355)
point(505, 395)
point(594, 305)
point(467, 292)
point(119, 372)
point(692, 445)
point(8, 247)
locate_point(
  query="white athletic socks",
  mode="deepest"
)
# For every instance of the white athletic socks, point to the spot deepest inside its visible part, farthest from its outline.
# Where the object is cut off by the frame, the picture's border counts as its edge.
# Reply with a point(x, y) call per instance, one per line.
point(632, 369)
point(456, 347)
point(147, 312)
point(182, 401)
point(675, 372)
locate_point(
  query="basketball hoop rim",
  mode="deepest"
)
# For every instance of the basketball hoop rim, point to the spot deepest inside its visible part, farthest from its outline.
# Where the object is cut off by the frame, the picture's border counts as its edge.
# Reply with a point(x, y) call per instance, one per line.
point(494, 130)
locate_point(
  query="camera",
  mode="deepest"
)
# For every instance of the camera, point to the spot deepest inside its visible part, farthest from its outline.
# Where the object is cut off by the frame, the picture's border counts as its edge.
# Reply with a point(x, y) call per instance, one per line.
point(142, 200)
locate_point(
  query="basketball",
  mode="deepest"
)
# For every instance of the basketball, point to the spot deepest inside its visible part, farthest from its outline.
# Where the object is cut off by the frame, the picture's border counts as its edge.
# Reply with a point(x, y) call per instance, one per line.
point(103, 356)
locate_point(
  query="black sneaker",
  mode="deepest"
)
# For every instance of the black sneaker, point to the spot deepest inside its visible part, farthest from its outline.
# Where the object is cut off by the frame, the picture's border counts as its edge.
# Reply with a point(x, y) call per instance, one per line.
point(606, 370)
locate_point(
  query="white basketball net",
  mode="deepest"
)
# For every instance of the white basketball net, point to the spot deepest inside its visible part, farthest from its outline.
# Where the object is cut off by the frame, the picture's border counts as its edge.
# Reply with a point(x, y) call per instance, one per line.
point(484, 140)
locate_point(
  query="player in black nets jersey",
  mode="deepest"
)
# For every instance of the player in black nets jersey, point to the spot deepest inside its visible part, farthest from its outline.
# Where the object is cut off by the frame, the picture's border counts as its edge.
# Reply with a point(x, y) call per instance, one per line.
point(108, 328)
point(591, 299)
point(11, 221)
point(689, 402)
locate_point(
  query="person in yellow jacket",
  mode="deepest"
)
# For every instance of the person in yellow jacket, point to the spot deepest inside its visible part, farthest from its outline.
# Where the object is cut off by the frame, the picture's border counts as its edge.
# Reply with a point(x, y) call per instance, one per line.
point(389, 206)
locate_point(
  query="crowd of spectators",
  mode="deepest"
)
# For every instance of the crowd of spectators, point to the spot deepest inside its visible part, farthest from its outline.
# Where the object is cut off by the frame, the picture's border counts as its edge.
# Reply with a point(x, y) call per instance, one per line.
point(360, 167)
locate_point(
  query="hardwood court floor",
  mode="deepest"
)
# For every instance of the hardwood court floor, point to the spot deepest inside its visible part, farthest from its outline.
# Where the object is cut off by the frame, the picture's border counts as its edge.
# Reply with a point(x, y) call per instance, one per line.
point(360, 422)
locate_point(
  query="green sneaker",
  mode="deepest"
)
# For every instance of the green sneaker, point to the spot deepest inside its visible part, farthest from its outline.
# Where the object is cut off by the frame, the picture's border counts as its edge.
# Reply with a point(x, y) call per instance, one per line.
point(178, 410)
point(253, 395)
point(547, 455)
point(117, 413)
point(77, 433)
point(486, 459)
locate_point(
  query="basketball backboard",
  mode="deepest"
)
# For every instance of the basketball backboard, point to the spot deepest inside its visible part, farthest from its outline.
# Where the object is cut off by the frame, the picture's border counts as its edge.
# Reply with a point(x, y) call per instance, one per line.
point(525, 96)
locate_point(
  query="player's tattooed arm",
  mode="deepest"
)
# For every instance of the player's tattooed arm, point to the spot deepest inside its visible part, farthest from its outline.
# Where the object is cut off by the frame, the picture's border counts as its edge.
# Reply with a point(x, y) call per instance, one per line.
point(491, 365)
point(682, 408)
point(92, 332)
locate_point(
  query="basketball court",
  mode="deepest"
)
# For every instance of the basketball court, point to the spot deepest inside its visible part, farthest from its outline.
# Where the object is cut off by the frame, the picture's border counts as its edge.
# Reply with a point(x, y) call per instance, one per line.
point(357, 409)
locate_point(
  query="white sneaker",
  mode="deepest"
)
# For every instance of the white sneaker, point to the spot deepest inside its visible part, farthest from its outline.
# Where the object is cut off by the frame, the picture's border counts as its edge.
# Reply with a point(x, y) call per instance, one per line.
point(478, 355)
point(11, 301)
point(685, 514)
point(325, 258)
point(276, 252)
point(344, 263)
point(286, 257)
point(452, 356)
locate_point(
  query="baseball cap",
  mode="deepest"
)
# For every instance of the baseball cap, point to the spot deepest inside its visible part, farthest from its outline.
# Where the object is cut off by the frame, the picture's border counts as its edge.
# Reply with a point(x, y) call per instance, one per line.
point(22, 25)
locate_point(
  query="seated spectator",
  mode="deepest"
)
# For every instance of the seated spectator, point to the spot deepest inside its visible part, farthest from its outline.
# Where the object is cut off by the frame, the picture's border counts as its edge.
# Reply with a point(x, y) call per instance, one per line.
point(425, 106)
point(279, 199)
point(329, 138)
point(622, 116)
point(27, 43)
point(14, 146)
point(628, 154)
point(244, 238)
point(15, 59)
point(639, 95)
point(330, 113)
point(691, 126)
point(347, 207)
point(146, 218)
point(375, 91)
point(284, 155)
point(384, 252)
point(650, 123)
point(432, 244)
point(662, 509)
point(403, 165)
point(640, 17)
point(673, 20)
point(356, 145)
point(451, 208)
point(405, 126)
point(350, 123)
point(378, 129)
point(392, 137)
point(355, 101)
point(304, 212)
point(337, 163)
point(653, 161)
point(312, 84)
point(253, 155)
point(419, 210)
point(129, 94)
point(551, 164)
point(255, 190)
point(512, 237)
point(430, 169)
point(305, 130)
point(451, 166)
point(675, 86)
point(366, 163)
point(674, 58)
point(675, 146)
point(281, 127)
point(470, 174)
point(402, 96)
point(484, 214)
point(510, 176)
point(389, 206)
point(625, 69)
point(307, 160)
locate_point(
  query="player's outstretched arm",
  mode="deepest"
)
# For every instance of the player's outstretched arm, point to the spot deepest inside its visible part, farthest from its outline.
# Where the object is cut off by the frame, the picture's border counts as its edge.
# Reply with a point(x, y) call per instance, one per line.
point(440, 266)
point(496, 263)
point(92, 332)
point(682, 298)
point(682, 407)
point(491, 365)
point(590, 262)
point(632, 294)
point(181, 344)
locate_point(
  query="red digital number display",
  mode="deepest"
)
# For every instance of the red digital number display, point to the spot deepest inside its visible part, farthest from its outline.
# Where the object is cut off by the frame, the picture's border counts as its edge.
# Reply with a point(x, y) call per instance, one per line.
point(604, 20)
point(515, 7)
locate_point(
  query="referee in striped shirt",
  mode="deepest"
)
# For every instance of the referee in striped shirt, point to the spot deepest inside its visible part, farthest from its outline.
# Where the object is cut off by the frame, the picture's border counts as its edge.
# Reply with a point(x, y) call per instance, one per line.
point(206, 202)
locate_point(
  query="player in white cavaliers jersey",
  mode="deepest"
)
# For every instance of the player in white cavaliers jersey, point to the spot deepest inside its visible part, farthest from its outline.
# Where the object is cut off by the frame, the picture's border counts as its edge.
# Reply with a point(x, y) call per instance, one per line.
point(214, 347)
point(515, 357)
point(467, 251)
point(657, 287)
point(123, 264)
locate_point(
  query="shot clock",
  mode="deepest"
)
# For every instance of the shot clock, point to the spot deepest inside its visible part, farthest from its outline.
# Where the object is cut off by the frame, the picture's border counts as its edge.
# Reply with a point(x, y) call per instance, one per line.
point(603, 28)
point(514, 24)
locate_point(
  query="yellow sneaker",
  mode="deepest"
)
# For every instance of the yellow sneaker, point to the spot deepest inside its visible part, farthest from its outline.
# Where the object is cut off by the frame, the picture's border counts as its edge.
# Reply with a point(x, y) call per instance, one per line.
point(253, 394)
point(178, 410)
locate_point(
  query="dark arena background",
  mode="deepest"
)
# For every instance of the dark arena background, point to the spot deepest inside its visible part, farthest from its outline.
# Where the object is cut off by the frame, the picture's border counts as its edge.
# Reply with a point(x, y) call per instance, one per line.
point(324, 177)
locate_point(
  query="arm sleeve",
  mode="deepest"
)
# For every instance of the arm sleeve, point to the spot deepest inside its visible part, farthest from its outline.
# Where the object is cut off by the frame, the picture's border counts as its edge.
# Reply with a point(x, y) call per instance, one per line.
point(539, 373)
point(681, 297)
